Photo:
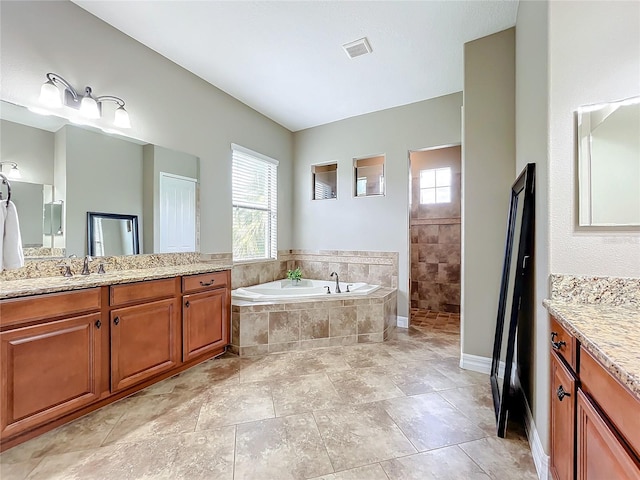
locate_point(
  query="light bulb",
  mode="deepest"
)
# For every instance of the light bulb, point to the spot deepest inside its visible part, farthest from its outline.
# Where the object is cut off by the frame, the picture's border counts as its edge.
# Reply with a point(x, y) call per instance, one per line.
point(89, 107)
point(121, 118)
point(50, 95)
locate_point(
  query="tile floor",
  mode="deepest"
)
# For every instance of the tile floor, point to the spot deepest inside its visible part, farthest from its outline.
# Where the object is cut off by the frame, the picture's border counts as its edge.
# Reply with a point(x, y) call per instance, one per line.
point(392, 411)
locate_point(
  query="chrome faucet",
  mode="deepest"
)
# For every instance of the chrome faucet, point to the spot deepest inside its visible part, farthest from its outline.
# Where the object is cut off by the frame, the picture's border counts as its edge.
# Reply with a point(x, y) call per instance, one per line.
point(337, 282)
point(85, 268)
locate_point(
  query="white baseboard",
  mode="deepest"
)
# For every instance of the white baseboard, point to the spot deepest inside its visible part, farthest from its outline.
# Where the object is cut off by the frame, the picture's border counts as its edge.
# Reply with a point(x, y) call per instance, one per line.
point(540, 459)
point(480, 364)
point(402, 322)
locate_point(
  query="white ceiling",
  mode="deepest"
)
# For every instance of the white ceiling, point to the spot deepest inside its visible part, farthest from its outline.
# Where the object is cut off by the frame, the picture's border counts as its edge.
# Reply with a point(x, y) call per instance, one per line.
point(285, 58)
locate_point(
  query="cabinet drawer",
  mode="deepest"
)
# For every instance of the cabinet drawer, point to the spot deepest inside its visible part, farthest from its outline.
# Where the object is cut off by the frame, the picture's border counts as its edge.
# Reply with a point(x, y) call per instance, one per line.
point(194, 283)
point(18, 311)
point(142, 291)
point(613, 398)
point(563, 343)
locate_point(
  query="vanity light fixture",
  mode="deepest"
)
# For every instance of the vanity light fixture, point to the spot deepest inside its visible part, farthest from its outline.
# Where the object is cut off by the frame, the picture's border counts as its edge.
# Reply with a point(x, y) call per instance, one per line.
point(88, 105)
point(14, 173)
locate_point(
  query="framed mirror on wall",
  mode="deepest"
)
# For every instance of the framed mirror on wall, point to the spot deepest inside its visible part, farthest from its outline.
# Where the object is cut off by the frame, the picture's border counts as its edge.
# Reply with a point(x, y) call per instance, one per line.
point(110, 234)
point(516, 277)
point(608, 147)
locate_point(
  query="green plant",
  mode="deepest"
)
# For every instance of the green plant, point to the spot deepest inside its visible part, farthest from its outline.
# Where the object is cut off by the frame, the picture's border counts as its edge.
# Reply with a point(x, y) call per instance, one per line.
point(294, 274)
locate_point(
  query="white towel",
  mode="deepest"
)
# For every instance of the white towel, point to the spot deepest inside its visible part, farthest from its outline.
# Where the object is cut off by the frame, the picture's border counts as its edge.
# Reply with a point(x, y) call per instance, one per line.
point(11, 255)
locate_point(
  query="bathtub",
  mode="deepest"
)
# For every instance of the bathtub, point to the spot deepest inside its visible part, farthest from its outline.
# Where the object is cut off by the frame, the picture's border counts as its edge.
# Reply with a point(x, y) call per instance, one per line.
point(284, 289)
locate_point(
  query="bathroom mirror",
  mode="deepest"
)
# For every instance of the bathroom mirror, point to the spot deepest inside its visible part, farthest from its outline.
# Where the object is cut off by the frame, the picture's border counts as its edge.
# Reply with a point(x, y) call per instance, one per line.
point(91, 170)
point(608, 137)
point(111, 234)
point(516, 273)
point(325, 181)
point(369, 176)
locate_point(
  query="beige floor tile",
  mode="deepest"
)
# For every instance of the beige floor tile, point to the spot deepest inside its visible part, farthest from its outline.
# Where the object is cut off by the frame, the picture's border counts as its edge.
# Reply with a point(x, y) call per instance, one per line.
point(449, 463)
point(321, 360)
point(368, 472)
point(431, 422)
point(364, 356)
point(476, 403)
point(304, 394)
point(268, 367)
point(417, 377)
point(361, 435)
point(18, 471)
point(156, 415)
point(84, 433)
point(503, 457)
point(235, 404)
point(364, 385)
point(450, 367)
point(280, 448)
point(205, 455)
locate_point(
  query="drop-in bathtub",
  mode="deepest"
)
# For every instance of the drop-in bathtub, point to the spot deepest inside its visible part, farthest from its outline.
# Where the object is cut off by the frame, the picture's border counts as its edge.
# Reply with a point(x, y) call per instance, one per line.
point(285, 289)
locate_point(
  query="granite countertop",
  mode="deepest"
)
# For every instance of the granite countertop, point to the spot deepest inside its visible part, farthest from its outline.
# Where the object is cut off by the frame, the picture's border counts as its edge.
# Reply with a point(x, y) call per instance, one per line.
point(34, 286)
point(610, 333)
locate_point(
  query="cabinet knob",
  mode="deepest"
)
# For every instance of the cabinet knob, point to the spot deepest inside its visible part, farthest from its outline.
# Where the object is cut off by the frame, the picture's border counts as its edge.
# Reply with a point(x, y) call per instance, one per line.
point(116, 320)
point(557, 345)
point(98, 323)
point(186, 304)
point(561, 392)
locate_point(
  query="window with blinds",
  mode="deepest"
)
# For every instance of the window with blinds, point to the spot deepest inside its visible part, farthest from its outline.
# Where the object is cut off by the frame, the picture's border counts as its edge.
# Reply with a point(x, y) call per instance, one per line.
point(255, 205)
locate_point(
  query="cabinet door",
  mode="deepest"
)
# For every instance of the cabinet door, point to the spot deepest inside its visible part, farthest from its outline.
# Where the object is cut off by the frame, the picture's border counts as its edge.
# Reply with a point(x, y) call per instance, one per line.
point(204, 322)
point(563, 398)
point(145, 341)
point(48, 370)
point(600, 454)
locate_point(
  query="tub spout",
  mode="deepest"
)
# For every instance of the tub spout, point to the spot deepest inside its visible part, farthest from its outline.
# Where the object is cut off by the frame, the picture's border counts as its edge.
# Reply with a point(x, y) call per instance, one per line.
point(337, 282)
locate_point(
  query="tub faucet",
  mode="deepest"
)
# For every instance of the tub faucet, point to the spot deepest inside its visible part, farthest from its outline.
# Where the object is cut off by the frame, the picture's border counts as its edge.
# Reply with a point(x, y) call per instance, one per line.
point(337, 282)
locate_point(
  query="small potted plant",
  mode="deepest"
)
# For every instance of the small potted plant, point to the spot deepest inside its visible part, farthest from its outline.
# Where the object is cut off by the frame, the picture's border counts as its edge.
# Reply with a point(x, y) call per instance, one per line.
point(295, 276)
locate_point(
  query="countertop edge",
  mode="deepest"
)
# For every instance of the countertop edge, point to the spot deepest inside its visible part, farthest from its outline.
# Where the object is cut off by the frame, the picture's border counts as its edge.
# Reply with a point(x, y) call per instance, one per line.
point(37, 286)
point(629, 380)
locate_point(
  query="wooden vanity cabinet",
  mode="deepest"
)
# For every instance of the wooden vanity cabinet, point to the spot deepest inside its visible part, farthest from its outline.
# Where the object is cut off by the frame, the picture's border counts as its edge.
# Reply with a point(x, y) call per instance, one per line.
point(205, 313)
point(53, 367)
point(65, 354)
point(595, 420)
point(145, 335)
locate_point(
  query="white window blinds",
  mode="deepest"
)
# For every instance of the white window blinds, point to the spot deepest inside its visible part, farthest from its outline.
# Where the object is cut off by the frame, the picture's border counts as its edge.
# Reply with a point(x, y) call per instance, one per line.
point(255, 205)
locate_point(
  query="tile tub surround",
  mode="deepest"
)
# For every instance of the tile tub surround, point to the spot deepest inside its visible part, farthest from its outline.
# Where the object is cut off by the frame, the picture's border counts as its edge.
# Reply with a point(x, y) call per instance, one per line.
point(261, 328)
point(374, 268)
point(600, 290)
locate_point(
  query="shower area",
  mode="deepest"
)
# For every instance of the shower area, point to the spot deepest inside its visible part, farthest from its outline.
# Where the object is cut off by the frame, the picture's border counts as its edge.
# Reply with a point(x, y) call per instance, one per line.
point(435, 239)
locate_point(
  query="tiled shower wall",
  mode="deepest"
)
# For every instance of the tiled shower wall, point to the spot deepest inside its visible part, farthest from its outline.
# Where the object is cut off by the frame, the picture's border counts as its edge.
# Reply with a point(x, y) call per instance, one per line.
point(376, 268)
point(435, 237)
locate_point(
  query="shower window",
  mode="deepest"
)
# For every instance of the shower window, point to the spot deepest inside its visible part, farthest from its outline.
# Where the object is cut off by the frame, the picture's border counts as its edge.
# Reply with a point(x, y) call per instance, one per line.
point(435, 185)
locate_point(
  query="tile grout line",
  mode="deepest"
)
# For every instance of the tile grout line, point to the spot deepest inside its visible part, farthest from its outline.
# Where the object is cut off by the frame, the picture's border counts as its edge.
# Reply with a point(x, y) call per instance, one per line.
point(235, 449)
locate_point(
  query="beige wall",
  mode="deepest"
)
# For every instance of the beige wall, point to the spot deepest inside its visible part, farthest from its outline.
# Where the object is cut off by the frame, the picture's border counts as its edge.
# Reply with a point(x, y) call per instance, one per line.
point(607, 68)
point(31, 148)
point(378, 223)
point(168, 105)
point(488, 171)
point(532, 138)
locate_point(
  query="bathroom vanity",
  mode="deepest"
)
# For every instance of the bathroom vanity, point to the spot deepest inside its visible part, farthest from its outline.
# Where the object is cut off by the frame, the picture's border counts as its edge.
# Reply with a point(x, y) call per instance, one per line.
point(595, 391)
point(74, 345)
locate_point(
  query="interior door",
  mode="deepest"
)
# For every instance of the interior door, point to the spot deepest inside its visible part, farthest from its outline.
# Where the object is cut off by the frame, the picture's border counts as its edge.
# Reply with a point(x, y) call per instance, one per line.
point(177, 213)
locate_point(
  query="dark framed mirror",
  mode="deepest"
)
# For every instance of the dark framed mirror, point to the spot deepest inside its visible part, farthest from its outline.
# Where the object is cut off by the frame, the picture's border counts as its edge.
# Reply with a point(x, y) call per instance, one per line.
point(516, 275)
point(112, 234)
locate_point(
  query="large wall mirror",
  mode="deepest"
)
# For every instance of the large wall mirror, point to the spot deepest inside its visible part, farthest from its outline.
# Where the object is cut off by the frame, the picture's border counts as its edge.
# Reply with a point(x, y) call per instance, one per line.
point(608, 138)
point(69, 170)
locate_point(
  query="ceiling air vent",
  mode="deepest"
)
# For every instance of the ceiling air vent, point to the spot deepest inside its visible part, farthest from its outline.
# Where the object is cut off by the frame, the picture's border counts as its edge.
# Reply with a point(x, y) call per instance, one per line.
point(357, 48)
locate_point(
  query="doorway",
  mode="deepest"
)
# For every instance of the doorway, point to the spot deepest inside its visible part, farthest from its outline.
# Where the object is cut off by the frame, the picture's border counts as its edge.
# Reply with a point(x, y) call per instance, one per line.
point(435, 239)
point(177, 213)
